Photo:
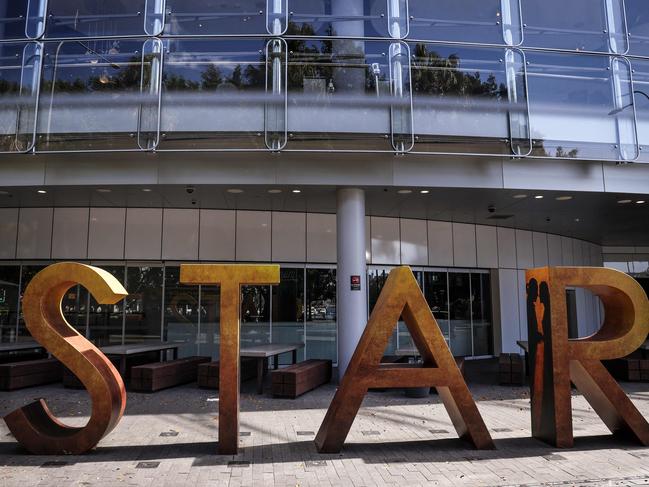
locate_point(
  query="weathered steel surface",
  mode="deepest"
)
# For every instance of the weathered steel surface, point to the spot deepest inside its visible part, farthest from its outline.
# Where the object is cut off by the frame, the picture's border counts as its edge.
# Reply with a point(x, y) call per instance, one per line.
point(402, 297)
point(556, 360)
point(230, 278)
point(34, 426)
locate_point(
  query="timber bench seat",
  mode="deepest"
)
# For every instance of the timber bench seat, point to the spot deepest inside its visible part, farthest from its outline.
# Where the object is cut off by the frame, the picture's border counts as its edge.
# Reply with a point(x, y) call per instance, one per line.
point(162, 375)
point(208, 374)
point(298, 379)
point(18, 375)
point(511, 369)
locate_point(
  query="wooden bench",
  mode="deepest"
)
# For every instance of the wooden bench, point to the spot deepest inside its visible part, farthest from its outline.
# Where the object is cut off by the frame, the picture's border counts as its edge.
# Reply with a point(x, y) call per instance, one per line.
point(18, 375)
point(161, 375)
point(511, 369)
point(208, 374)
point(70, 381)
point(628, 369)
point(298, 379)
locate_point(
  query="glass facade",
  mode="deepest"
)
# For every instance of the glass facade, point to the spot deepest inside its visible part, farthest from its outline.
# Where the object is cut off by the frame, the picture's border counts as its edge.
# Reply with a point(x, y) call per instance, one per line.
point(480, 77)
point(460, 302)
point(301, 309)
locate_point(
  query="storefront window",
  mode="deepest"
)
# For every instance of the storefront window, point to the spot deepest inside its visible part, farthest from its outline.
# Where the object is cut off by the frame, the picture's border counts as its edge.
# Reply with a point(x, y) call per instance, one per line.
point(255, 315)
point(481, 316)
point(106, 321)
point(436, 292)
point(9, 286)
point(181, 313)
point(75, 308)
point(375, 281)
point(28, 273)
point(321, 324)
point(143, 304)
point(210, 319)
point(288, 311)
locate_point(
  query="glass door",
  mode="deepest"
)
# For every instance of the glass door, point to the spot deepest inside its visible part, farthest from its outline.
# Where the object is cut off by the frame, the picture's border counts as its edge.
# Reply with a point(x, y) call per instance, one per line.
point(320, 312)
point(288, 325)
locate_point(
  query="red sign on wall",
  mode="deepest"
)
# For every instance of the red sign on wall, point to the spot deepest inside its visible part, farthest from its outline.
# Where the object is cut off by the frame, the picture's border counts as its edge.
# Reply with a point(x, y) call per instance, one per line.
point(356, 283)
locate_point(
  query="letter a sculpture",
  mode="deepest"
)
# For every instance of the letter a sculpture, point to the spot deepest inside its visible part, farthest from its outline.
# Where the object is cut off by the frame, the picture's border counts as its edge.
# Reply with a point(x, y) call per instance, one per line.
point(401, 297)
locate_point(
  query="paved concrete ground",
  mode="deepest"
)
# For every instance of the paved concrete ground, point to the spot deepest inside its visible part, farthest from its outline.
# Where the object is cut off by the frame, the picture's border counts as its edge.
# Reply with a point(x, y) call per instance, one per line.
point(394, 441)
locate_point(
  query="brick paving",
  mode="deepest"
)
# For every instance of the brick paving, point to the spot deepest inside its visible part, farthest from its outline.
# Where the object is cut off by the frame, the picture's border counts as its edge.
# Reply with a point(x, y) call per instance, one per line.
point(169, 439)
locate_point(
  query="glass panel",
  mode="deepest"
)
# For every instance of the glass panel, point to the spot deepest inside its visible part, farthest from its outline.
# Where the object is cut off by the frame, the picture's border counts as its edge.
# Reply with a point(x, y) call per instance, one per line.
point(143, 304)
point(28, 273)
point(405, 339)
point(479, 21)
point(481, 316)
point(641, 95)
point(75, 308)
point(214, 94)
point(581, 107)
point(579, 25)
point(99, 95)
point(288, 311)
point(13, 19)
point(637, 16)
point(349, 95)
point(9, 286)
point(375, 281)
point(99, 18)
point(436, 292)
point(106, 321)
point(321, 317)
point(19, 71)
point(460, 314)
point(215, 17)
point(181, 313)
point(349, 18)
point(469, 100)
point(208, 338)
point(255, 315)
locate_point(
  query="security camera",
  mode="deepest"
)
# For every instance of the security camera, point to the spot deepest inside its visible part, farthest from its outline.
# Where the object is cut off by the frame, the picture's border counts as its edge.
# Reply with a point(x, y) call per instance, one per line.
point(190, 189)
point(194, 202)
point(491, 209)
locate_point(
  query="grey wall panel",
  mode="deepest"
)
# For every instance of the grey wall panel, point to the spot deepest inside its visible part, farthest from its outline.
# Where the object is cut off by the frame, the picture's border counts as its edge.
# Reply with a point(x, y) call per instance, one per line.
point(386, 248)
point(540, 243)
point(143, 234)
point(464, 245)
point(506, 248)
point(555, 254)
point(414, 242)
point(553, 175)
point(577, 256)
point(70, 233)
point(289, 237)
point(524, 250)
point(321, 238)
point(487, 246)
point(106, 233)
point(35, 233)
point(254, 237)
point(8, 232)
point(180, 234)
point(217, 235)
point(567, 254)
point(440, 243)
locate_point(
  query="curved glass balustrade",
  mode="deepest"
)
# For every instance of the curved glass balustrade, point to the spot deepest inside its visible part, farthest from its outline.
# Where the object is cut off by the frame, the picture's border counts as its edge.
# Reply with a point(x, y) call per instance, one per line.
point(489, 77)
point(469, 100)
point(19, 70)
point(477, 21)
point(100, 95)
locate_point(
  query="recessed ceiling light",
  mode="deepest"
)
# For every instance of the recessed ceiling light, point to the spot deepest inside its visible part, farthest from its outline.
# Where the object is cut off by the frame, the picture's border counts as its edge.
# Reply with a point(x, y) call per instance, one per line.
point(297, 191)
point(577, 220)
point(104, 190)
point(625, 202)
point(147, 190)
point(539, 197)
point(424, 191)
point(640, 202)
point(520, 196)
point(235, 191)
point(41, 191)
point(564, 198)
point(274, 191)
point(404, 191)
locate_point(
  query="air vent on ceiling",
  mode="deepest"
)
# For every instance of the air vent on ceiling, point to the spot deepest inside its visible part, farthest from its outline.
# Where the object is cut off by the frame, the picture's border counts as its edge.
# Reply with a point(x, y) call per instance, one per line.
point(500, 217)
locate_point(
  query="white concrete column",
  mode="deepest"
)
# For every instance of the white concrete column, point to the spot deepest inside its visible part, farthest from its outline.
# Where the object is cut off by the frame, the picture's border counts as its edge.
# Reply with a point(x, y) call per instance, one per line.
point(352, 301)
